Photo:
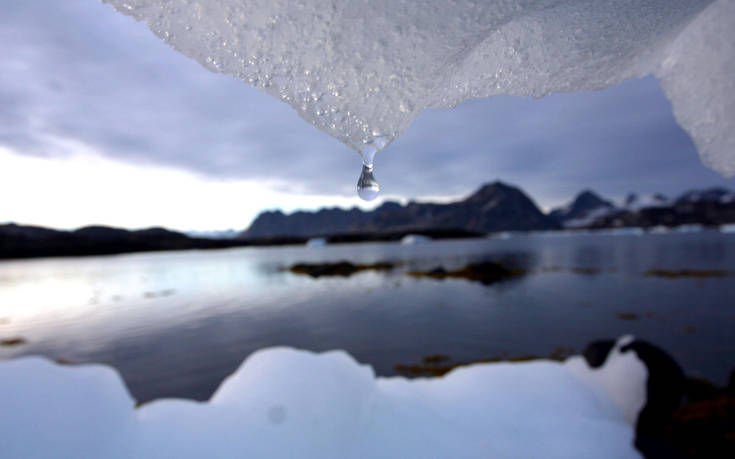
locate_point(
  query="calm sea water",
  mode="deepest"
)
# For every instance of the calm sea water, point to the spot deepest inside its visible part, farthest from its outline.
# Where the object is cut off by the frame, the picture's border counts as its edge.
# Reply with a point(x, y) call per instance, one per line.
point(176, 323)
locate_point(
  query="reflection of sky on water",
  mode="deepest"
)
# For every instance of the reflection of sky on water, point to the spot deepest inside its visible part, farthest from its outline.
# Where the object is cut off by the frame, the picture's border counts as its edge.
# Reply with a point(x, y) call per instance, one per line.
point(176, 323)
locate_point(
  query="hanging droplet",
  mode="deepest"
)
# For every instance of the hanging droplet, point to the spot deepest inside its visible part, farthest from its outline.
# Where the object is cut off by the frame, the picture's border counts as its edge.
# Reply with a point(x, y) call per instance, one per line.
point(367, 187)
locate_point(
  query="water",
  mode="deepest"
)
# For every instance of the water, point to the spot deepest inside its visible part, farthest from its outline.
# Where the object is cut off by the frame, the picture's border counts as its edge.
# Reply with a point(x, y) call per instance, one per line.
point(176, 323)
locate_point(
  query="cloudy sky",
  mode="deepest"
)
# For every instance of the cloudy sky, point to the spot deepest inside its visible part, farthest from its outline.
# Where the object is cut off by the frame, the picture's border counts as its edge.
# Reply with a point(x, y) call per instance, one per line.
point(102, 123)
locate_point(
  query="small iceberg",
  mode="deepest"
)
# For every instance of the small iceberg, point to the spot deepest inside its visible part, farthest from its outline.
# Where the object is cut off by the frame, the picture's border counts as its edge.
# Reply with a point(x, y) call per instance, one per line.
point(411, 239)
point(625, 231)
point(316, 242)
point(690, 228)
point(660, 229)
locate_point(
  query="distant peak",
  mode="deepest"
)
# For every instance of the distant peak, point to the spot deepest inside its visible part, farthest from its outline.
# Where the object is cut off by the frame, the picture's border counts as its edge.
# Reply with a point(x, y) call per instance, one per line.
point(587, 193)
point(389, 205)
point(585, 205)
point(589, 197)
point(494, 187)
point(497, 184)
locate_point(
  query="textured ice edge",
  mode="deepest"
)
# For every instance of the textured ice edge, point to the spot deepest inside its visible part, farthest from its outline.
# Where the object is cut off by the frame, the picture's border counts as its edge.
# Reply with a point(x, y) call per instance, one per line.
point(284, 402)
point(361, 68)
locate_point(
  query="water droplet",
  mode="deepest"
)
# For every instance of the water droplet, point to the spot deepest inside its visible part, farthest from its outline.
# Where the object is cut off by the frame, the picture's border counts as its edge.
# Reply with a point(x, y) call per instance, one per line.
point(367, 187)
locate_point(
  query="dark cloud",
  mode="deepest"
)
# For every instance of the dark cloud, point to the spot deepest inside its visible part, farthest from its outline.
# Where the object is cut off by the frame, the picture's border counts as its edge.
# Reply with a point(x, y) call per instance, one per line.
point(78, 70)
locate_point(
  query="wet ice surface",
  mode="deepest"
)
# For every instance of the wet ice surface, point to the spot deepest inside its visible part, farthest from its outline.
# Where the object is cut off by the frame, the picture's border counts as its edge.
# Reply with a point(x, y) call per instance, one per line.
point(176, 324)
point(362, 69)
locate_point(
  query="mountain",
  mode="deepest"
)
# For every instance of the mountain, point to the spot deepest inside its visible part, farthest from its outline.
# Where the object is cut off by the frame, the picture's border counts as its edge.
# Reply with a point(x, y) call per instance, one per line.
point(583, 210)
point(634, 202)
point(711, 195)
point(709, 207)
point(494, 207)
point(306, 224)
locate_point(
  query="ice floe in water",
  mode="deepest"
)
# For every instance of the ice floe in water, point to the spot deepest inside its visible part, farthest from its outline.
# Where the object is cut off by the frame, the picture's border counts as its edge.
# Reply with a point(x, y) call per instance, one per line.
point(413, 239)
point(360, 69)
point(287, 403)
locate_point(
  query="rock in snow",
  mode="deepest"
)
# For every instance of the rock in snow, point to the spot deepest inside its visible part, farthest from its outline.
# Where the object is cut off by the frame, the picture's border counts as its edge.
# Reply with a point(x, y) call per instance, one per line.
point(284, 402)
point(361, 70)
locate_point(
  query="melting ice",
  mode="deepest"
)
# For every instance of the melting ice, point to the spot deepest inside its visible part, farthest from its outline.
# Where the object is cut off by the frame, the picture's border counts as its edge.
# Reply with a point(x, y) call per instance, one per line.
point(360, 67)
point(287, 403)
point(367, 187)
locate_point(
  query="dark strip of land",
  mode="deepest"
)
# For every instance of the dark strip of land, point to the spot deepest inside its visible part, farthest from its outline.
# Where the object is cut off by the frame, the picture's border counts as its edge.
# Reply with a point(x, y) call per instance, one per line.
point(19, 241)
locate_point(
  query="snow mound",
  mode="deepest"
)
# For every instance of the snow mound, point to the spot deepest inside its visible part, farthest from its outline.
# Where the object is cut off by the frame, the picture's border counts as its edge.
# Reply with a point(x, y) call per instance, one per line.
point(622, 379)
point(361, 69)
point(287, 403)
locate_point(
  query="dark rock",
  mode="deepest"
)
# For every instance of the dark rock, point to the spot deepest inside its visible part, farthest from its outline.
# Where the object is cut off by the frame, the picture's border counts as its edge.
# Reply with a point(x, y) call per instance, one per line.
point(664, 393)
point(486, 273)
point(437, 272)
point(435, 358)
point(684, 273)
point(341, 268)
point(596, 352)
point(12, 342)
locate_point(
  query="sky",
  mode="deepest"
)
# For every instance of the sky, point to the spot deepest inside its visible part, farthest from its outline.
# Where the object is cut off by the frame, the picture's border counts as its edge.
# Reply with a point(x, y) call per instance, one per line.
point(103, 123)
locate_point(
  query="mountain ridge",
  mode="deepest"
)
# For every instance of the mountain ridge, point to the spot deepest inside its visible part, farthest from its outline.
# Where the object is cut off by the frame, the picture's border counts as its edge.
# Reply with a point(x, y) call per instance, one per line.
point(709, 207)
point(493, 207)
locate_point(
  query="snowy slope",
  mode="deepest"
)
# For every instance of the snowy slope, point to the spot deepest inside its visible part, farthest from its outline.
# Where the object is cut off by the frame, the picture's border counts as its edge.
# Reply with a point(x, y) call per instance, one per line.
point(590, 217)
point(721, 195)
point(584, 209)
point(635, 202)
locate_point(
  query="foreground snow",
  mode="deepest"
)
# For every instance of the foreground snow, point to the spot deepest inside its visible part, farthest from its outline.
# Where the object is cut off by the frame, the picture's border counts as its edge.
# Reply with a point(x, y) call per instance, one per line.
point(284, 402)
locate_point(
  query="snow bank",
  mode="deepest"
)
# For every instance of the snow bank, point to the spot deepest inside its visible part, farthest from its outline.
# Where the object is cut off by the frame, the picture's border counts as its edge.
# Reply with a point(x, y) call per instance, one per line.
point(365, 68)
point(622, 379)
point(287, 403)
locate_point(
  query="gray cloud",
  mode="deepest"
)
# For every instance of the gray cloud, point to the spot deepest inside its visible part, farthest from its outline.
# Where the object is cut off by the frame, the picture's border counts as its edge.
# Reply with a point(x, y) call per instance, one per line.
point(77, 69)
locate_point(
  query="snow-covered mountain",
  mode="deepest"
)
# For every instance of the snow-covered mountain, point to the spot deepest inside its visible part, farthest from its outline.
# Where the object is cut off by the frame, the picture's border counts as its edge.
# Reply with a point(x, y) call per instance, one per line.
point(721, 195)
point(709, 207)
point(635, 202)
point(586, 207)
